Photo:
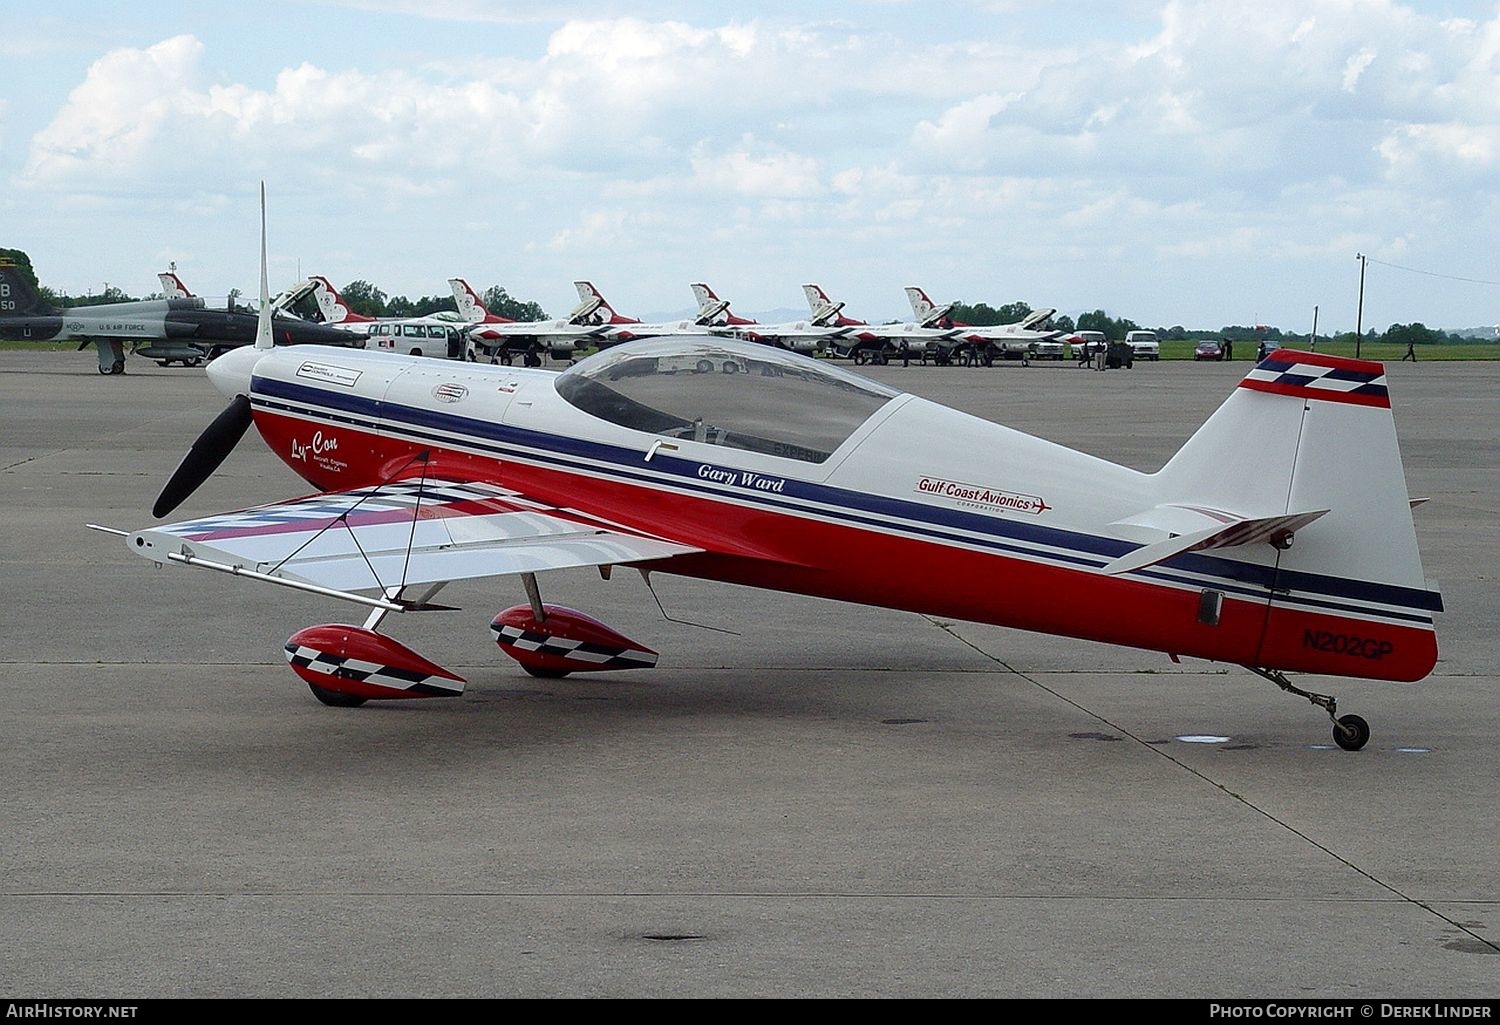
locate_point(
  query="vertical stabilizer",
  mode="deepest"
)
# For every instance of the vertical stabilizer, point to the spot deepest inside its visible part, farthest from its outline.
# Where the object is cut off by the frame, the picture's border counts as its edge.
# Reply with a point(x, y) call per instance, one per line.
point(1306, 432)
point(172, 286)
point(470, 307)
point(17, 297)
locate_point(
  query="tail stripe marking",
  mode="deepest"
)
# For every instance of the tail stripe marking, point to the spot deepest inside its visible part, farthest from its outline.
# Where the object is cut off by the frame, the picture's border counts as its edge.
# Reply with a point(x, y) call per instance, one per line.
point(1351, 382)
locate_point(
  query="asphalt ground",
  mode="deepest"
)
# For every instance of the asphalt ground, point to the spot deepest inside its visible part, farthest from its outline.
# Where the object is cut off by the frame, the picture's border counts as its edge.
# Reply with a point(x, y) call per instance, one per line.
point(827, 801)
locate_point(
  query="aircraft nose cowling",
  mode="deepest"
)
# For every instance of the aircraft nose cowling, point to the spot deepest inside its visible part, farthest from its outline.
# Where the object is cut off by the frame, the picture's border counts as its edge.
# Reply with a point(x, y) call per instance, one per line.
point(230, 373)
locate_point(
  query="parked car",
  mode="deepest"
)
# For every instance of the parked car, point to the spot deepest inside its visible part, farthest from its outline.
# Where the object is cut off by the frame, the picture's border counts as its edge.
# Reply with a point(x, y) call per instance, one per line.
point(1144, 344)
point(1208, 350)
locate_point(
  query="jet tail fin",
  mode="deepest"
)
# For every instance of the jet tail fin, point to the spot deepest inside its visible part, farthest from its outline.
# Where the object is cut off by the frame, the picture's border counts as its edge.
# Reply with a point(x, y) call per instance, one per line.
point(710, 306)
point(172, 286)
point(924, 311)
point(590, 296)
point(470, 306)
point(823, 310)
point(331, 305)
point(17, 296)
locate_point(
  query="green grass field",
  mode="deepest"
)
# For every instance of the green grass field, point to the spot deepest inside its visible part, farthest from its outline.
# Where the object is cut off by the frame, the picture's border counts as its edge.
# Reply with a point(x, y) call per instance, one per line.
point(1244, 351)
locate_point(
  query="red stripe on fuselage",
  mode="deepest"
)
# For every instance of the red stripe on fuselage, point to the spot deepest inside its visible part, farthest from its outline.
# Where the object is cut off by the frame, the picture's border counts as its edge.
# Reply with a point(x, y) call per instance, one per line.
point(868, 566)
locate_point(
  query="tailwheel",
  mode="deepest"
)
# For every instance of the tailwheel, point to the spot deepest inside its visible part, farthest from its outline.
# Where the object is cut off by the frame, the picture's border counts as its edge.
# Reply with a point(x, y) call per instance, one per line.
point(1351, 732)
point(334, 698)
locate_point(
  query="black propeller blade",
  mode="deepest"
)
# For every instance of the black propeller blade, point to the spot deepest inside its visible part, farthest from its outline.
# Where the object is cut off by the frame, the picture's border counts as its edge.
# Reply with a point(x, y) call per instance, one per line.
point(212, 448)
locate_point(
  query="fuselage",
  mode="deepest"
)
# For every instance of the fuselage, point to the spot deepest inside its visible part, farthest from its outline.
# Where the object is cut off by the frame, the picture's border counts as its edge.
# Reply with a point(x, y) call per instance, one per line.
point(184, 320)
point(908, 505)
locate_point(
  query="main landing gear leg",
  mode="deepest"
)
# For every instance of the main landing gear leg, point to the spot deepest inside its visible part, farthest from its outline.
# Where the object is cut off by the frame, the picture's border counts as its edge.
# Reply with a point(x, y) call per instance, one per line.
point(1350, 732)
point(534, 597)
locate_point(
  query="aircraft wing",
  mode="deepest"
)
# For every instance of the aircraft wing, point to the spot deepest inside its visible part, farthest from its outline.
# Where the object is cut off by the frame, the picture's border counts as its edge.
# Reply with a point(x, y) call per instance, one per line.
point(397, 534)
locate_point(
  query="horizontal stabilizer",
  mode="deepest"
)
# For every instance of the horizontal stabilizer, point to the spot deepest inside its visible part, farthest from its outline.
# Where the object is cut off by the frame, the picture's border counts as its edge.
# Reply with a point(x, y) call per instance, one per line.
point(1267, 529)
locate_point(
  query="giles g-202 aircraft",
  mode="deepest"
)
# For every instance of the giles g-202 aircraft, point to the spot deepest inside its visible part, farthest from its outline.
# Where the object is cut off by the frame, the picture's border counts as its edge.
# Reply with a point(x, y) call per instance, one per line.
point(738, 462)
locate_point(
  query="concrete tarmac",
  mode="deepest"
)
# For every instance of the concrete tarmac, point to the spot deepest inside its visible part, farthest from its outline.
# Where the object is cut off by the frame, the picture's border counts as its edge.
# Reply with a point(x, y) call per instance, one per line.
point(829, 801)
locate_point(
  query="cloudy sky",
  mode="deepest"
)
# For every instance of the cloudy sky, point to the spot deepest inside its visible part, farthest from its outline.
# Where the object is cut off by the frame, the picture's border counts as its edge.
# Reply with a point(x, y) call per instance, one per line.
point(1198, 163)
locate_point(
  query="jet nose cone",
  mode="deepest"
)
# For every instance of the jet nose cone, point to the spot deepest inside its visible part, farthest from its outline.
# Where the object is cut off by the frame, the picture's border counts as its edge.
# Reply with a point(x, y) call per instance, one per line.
point(230, 373)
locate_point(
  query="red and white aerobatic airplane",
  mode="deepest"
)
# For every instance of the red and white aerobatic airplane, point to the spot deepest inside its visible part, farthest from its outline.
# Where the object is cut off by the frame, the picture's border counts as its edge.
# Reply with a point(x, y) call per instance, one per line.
point(738, 462)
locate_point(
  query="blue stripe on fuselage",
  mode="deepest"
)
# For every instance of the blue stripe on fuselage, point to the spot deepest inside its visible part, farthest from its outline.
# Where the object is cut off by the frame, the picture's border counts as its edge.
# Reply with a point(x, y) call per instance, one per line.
point(1086, 550)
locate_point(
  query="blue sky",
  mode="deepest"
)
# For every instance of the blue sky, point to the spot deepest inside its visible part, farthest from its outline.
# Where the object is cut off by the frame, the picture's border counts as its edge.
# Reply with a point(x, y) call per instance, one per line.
point(1197, 163)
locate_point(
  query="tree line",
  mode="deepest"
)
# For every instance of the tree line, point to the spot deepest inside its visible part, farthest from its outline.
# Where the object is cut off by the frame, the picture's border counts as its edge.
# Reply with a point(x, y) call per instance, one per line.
point(365, 298)
point(1416, 333)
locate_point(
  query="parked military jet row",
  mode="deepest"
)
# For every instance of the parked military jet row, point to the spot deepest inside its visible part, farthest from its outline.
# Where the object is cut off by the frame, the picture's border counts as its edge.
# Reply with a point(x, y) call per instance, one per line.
point(188, 329)
point(594, 323)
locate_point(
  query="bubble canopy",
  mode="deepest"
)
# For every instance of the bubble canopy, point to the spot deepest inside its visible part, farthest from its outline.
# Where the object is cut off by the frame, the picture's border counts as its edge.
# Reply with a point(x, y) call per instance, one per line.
point(725, 392)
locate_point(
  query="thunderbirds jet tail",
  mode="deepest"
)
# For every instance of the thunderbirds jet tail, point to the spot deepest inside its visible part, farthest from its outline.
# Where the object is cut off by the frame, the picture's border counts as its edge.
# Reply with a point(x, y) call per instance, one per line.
point(172, 286)
point(332, 306)
point(471, 307)
point(590, 300)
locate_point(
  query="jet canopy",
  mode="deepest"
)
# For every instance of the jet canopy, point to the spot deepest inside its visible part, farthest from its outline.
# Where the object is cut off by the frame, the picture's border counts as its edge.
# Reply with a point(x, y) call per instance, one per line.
point(725, 392)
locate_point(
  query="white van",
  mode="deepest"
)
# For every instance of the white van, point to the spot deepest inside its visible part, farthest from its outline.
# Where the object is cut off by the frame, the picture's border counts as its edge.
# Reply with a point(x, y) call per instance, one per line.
point(1144, 344)
point(412, 339)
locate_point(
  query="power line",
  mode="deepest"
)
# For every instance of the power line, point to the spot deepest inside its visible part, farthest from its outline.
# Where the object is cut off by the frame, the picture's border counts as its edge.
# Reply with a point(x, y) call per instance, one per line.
point(1433, 274)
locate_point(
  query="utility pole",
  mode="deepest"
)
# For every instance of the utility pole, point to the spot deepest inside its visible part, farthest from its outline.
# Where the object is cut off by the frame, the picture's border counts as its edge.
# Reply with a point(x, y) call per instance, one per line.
point(1314, 345)
point(1359, 317)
